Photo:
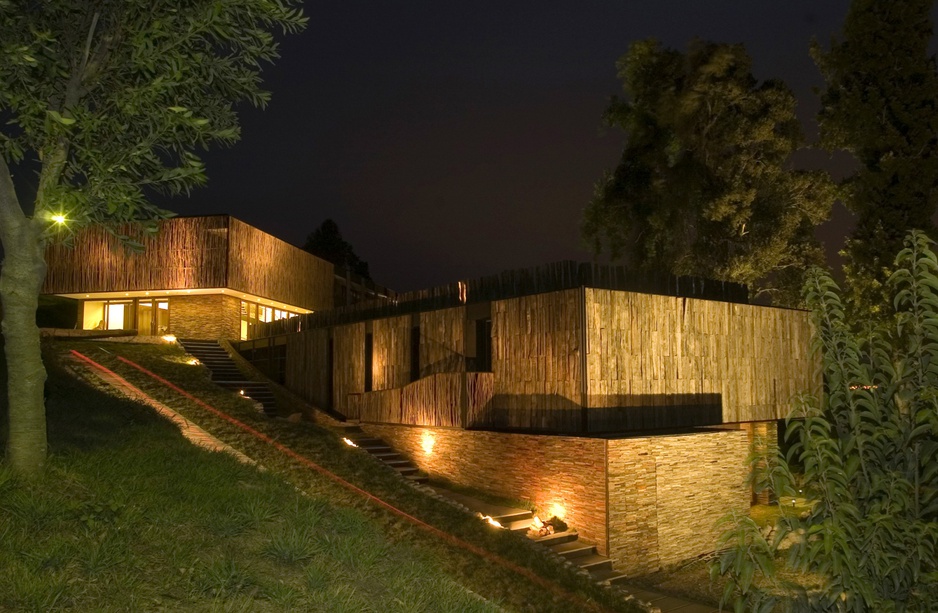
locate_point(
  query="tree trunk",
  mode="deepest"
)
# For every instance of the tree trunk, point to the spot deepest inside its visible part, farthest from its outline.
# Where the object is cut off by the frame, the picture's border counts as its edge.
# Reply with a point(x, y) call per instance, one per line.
point(21, 276)
point(21, 279)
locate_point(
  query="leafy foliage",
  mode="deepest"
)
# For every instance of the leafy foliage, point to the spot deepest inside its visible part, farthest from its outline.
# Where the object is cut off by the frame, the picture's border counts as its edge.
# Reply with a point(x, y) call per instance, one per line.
point(114, 99)
point(880, 105)
point(869, 453)
point(327, 243)
point(110, 101)
point(703, 186)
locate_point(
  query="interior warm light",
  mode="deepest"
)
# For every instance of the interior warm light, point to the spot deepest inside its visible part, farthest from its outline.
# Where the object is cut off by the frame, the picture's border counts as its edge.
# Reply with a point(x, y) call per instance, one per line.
point(557, 510)
point(169, 338)
point(490, 521)
point(427, 441)
point(58, 218)
point(349, 442)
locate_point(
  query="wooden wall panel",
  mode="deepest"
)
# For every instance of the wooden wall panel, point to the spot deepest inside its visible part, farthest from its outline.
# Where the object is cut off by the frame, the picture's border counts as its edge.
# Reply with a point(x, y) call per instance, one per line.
point(659, 351)
point(443, 341)
point(536, 361)
point(187, 253)
point(348, 374)
point(391, 356)
point(307, 368)
point(266, 266)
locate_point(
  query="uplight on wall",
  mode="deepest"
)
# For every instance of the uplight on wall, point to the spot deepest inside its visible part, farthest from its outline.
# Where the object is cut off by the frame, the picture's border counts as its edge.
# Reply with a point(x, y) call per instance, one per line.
point(427, 441)
point(557, 510)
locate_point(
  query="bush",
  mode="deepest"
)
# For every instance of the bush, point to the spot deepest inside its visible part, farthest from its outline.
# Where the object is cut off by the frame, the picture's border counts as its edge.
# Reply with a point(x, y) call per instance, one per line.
point(868, 449)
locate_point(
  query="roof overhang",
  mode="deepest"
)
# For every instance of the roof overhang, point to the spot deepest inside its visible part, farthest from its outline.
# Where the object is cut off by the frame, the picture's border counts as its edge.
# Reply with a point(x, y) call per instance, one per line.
point(164, 293)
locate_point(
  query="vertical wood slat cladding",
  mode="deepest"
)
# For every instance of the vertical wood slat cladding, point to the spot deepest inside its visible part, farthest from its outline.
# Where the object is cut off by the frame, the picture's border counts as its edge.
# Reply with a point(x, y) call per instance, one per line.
point(307, 370)
point(480, 392)
point(348, 373)
point(435, 400)
point(266, 266)
point(443, 341)
point(535, 359)
point(391, 360)
point(187, 253)
point(681, 351)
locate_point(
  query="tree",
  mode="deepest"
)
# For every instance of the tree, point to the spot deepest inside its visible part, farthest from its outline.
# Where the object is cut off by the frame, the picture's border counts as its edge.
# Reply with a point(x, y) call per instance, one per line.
point(869, 448)
point(108, 101)
point(881, 105)
point(326, 242)
point(703, 186)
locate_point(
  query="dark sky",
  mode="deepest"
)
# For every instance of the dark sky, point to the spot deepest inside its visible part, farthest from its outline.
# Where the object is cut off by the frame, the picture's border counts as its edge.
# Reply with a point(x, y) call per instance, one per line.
point(452, 140)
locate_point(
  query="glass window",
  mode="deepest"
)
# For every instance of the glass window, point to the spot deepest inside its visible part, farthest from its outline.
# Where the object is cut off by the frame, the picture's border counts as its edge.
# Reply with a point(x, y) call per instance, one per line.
point(93, 315)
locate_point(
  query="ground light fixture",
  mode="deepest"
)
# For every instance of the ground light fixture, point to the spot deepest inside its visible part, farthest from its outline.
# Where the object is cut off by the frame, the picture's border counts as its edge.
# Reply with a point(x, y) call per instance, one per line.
point(58, 218)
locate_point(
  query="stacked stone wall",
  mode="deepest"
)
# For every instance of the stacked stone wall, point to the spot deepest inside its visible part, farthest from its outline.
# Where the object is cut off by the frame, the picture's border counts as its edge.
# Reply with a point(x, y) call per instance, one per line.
point(647, 502)
point(546, 470)
point(666, 494)
point(210, 317)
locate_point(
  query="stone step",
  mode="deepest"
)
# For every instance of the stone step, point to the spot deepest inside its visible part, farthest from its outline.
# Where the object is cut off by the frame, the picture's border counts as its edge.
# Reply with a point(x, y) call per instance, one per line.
point(374, 449)
point(507, 518)
point(396, 462)
point(386, 455)
point(417, 478)
point(519, 525)
point(608, 576)
point(592, 562)
point(556, 538)
point(405, 470)
point(573, 549)
point(363, 441)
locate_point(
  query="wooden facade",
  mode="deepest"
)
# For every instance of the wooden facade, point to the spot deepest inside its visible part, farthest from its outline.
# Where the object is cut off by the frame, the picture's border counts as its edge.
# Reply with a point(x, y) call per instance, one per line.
point(581, 360)
point(190, 253)
point(684, 357)
point(188, 256)
point(187, 253)
point(263, 265)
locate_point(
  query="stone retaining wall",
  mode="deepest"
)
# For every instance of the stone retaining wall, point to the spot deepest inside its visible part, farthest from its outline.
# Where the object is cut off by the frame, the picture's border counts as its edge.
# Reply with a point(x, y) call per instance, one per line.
point(645, 501)
point(547, 470)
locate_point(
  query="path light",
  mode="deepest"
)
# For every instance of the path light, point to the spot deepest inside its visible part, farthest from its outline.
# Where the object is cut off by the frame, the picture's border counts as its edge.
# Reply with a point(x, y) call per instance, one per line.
point(169, 338)
point(58, 218)
point(193, 362)
point(349, 442)
point(491, 522)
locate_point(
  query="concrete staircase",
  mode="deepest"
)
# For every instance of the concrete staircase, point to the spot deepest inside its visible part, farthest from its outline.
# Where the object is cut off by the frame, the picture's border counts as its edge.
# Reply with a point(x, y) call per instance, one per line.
point(226, 374)
point(383, 452)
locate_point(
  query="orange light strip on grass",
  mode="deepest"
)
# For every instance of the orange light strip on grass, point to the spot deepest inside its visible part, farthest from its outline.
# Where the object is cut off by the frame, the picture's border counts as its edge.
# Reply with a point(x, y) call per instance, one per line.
point(525, 572)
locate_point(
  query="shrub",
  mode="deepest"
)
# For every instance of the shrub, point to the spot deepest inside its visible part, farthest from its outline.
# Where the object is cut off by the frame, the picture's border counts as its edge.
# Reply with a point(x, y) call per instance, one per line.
point(868, 449)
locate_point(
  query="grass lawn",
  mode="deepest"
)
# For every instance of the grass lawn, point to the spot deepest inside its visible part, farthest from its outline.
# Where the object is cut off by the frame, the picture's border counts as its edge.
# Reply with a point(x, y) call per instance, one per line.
point(130, 516)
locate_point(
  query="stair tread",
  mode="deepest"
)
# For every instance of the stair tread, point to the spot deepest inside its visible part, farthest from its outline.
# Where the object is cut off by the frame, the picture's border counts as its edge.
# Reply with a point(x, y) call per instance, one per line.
point(593, 559)
point(572, 548)
point(608, 574)
point(557, 537)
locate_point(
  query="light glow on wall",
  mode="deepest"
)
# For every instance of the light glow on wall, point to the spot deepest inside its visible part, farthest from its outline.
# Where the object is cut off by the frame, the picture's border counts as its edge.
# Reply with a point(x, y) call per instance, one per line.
point(427, 441)
point(557, 510)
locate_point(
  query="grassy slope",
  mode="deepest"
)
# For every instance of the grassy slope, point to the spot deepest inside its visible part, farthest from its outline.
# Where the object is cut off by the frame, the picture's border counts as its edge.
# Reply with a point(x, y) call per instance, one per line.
point(130, 516)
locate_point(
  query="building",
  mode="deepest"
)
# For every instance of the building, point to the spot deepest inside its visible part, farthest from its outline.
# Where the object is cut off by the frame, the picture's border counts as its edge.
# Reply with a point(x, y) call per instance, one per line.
point(198, 277)
point(628, 403)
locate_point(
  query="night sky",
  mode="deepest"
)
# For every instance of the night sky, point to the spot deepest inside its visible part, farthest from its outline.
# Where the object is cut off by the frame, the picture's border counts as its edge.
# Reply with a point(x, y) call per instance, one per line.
point(452, 140)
